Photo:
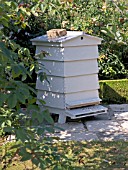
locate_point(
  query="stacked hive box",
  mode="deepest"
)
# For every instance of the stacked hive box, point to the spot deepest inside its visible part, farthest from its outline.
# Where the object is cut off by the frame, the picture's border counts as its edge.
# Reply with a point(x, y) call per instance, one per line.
point(72, 71)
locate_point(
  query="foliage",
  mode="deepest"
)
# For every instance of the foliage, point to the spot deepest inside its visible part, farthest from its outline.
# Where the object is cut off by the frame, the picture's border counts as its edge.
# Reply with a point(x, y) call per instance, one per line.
point(19, 115)
point(114, 91)
point(87, 155)
point(106, 19)
point(110, 67)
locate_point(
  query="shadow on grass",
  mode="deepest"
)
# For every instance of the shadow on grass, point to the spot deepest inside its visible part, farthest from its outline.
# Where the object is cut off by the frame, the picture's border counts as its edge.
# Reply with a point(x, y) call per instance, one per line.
point(86, 156)
point(109, 95)
point(100, 155)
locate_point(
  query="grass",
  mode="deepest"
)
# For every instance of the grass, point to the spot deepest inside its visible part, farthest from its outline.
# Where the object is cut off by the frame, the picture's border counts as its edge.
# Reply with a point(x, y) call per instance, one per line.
point(85, 156)
point(114, 91)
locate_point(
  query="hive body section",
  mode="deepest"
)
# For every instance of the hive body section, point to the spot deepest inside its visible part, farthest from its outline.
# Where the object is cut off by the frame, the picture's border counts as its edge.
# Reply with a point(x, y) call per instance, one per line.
point(72, 75)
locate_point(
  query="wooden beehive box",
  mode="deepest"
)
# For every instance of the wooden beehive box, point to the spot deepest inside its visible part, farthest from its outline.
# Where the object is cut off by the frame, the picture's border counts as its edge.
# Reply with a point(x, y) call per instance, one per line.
point(72, 73)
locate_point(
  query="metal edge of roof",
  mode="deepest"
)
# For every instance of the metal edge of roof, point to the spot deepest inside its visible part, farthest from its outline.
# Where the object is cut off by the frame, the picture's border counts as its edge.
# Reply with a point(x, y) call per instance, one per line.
point(70, 35)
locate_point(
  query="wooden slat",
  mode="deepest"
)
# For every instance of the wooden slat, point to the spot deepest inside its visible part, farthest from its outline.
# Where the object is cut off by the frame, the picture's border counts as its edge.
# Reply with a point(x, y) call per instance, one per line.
point(82, 104)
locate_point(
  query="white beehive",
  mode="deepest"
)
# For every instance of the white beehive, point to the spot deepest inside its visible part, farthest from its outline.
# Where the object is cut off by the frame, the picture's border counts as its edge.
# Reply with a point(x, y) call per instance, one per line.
point(72, 71)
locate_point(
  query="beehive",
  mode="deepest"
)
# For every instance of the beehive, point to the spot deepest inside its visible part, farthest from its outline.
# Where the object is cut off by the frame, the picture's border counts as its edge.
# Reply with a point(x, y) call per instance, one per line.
point(72, 71)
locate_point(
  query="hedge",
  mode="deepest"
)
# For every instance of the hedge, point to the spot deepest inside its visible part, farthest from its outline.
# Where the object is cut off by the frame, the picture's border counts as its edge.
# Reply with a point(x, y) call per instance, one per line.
point(114, 91)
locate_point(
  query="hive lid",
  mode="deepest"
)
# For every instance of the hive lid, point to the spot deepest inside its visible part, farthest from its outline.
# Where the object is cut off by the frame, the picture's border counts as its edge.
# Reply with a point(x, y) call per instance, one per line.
point(77, 37)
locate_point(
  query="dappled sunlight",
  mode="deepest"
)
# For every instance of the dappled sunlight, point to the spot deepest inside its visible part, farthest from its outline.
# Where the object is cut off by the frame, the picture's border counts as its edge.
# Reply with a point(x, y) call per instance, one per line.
point(103, 125)
point(68, 136)
point(97, 156)
point(112, 136)
point(109, 130)
point(86, 155)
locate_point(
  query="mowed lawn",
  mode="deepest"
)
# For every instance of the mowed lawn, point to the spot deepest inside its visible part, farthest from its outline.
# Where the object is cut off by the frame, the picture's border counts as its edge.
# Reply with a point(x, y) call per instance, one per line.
point(87, 156)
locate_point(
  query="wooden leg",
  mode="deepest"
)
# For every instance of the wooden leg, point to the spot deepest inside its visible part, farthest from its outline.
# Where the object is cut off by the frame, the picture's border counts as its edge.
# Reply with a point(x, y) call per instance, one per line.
point(62, 118)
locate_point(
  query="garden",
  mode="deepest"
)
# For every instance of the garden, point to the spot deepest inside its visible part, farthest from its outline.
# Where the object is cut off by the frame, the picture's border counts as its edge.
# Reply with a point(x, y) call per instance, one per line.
point(20, 21)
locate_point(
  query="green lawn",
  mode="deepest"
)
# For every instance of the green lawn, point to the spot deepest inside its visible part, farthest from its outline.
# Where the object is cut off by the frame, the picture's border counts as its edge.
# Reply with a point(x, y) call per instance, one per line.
point(88, 156)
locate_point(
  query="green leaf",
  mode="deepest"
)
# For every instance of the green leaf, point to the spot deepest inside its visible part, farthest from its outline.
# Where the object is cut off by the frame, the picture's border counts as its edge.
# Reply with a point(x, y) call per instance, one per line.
point(104, 31)
point(21, 134)
point(24, 76)
point(43, 76)
point(32, 100)
point(24, 24)
point(1, 9)
point(4, 21)
point(33, 108)
point(47, 117)
point(26, 52)
point(24, 154)
point(13, 46)
point(8, 122)
point(27, 156)
point(34, 115)
point(8, 129)
point(3, 124)
point(42, 7)
point(40, 131)
point(21, 97)
point(14, 4)
point(108, 32)
point(16, 71)
point(40, 117)
point(3, 98)
point(12, 100)
point(35, 161)
point(42, 101)
point(8, 3)
point(16, 146)
point(50, 129)
point(25, 91)
point(32, 89)
point(32, 67)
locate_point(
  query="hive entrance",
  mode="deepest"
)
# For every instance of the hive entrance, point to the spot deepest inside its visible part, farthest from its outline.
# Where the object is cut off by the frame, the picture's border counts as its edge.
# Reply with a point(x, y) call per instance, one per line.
point(86, 111)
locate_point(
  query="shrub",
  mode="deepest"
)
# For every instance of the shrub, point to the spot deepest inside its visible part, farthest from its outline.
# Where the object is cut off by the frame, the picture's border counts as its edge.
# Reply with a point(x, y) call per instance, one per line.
point(106, 19)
